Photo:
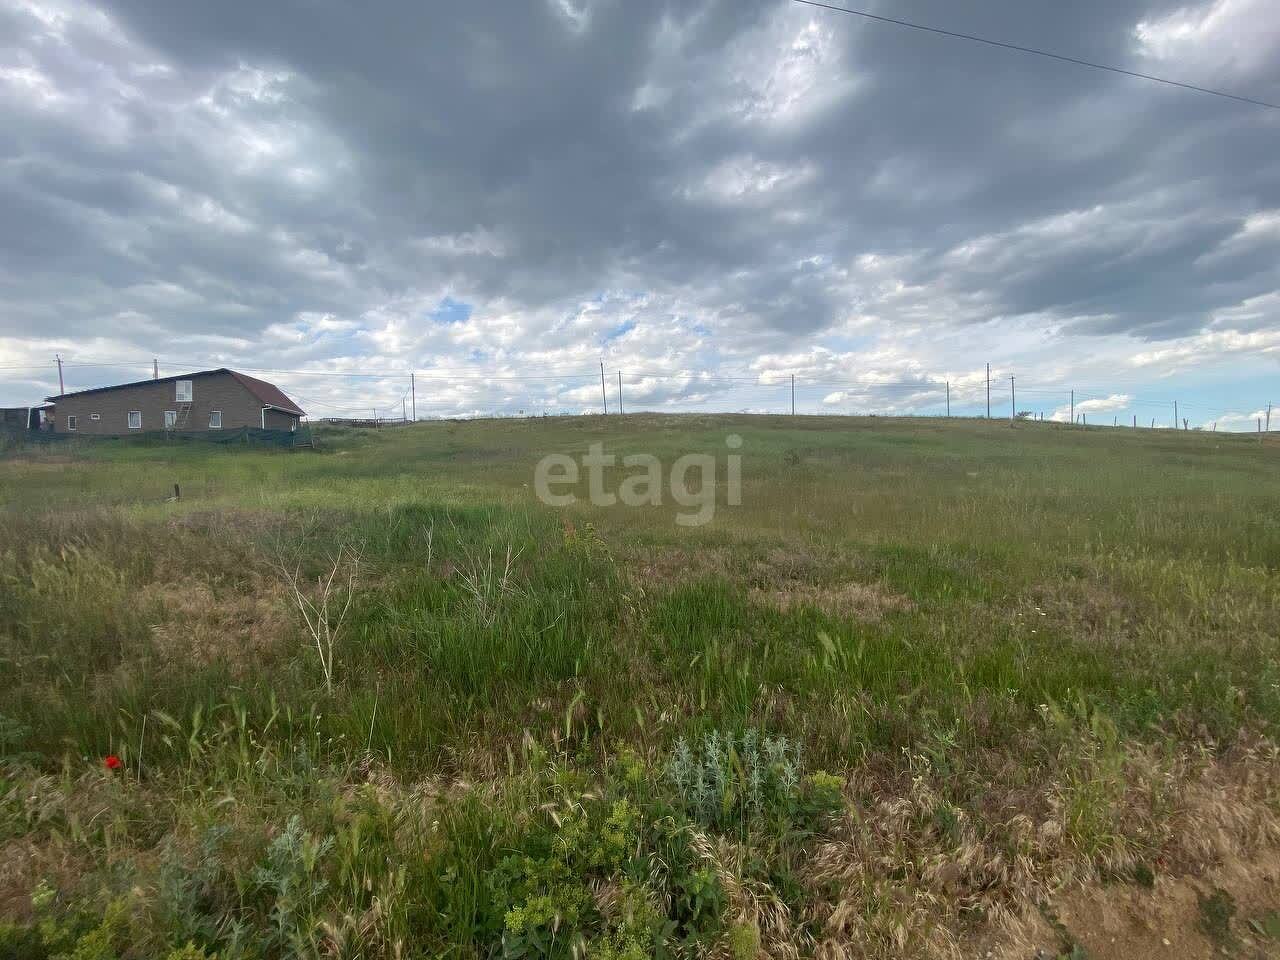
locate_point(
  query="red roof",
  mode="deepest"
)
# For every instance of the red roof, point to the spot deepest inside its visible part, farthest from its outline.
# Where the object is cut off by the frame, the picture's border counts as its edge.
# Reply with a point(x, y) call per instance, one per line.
point(269, 394)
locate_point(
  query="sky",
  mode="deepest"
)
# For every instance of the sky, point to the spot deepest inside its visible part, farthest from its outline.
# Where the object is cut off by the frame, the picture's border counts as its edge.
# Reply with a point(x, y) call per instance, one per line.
point(708, 197)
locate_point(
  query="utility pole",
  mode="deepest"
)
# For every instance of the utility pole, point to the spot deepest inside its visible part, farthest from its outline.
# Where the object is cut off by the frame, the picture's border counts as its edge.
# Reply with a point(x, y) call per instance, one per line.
point(1135, 421)
point(1175, 414)
point(604, 397)
point(1073, 407)
point(1268, 418)
point(793, 394)
point(61, 388)
point(619, 393)
point(413, 391)
point(155, 368)
point(988, 391)
point(1013, 402)
point(948, 398)
point(404, 410)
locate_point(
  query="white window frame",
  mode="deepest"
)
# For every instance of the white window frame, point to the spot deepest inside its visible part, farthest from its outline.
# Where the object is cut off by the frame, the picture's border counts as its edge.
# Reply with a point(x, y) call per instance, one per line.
point(131, 415)
point(181, 387)
point(71, 423)
point(170, 419)
point(215, 419)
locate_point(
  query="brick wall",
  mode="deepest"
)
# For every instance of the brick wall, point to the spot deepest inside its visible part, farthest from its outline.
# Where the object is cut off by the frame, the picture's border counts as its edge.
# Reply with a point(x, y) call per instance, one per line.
point(215, 391)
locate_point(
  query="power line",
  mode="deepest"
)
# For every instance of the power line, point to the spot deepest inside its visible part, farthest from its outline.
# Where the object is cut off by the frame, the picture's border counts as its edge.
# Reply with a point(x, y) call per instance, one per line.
point(685, 387)
point(391, 375)
point(1039, 53)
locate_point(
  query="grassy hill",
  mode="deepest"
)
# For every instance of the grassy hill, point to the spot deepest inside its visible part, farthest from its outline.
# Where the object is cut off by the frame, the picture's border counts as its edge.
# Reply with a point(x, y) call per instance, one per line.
point(378, 700)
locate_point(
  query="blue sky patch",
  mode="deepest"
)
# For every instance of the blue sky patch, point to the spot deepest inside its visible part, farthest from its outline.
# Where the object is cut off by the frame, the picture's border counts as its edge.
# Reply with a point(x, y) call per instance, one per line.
point(451, 311)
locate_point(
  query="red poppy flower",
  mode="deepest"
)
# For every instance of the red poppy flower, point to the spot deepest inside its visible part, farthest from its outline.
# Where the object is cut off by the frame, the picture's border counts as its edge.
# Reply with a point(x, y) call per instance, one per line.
point(112, 762)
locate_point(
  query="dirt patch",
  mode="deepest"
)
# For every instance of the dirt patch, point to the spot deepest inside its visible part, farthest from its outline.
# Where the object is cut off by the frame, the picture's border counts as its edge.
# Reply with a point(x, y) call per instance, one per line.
point(201, 627)
point(782, 578)
point(869, 602)
point(23, 865)
point(673, 567)
point(800, 577)
point(1087, 608)
point(239, 527)
point(794, 564)
point(36, 463)
point(1232, 911)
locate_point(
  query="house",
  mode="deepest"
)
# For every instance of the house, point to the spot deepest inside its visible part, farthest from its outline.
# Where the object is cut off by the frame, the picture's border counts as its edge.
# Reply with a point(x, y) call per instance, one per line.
point(192, 402)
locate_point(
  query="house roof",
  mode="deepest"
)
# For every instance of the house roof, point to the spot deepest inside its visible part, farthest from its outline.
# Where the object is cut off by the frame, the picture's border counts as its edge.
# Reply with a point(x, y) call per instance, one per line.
point(268, 394)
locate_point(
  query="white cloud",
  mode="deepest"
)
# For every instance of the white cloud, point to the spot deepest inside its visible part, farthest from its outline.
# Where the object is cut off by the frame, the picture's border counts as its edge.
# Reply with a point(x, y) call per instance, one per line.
point(1240, 35)
point(576, 18)
point(28, 84)
point(1246, 423)
point(1256, 230)
point(789, 71)
point(1252, 313)
point(787, 68)
point(479, 241)
point(681, 192)
point(1209, 346)
point(1095, 405)
point(747, 179)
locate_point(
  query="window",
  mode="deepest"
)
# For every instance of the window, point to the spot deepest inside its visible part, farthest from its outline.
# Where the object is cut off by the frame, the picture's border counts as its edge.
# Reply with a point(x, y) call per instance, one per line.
point(182, 391)
point(71, 421)
point(135, 419)
point(215, 419)
point(94, 416)
point(170, 418)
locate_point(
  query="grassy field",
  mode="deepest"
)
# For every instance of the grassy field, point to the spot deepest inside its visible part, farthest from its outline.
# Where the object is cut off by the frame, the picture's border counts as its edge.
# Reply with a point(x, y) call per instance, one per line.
point(376, 700)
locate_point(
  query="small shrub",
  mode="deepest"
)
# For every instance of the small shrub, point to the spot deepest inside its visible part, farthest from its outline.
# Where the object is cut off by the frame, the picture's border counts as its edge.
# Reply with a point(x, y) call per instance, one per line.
point(20, 941)
point(636, 931)
point(290, 879)
point(734, 783)
point(187, 904)
point(1217, 910)
point(190, 952)
point(545, 897)
point(744, 942)
point(76, 935)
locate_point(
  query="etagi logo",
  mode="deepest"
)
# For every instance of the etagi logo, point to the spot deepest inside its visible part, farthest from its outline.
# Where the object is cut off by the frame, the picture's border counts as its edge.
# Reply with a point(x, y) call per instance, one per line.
point(643, 486)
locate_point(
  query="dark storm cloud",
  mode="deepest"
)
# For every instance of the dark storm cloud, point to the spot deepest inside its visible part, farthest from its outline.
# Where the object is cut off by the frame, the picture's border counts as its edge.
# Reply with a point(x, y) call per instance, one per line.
point(236, 165)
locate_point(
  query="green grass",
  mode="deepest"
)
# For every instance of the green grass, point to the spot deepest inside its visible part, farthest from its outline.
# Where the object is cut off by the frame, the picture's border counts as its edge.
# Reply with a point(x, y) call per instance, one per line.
point(1065, 625)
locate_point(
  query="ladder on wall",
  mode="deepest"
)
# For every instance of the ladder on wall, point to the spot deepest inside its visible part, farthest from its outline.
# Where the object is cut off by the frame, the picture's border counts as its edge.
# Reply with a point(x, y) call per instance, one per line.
point(183, 419)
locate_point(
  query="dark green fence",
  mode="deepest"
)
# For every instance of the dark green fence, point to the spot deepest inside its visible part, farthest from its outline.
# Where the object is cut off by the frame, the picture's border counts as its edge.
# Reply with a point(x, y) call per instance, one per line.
point(243, 436)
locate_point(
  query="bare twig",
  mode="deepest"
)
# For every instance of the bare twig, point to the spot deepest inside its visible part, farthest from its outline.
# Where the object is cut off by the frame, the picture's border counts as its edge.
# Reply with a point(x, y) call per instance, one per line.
point(487, 580)
point(325, 609)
